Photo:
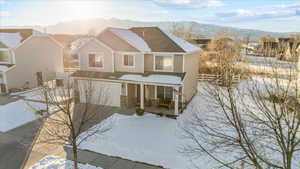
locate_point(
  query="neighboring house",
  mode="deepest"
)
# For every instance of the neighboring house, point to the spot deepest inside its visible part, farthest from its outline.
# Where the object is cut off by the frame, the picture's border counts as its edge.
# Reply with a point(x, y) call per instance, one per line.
point(202, 43)
point(28, 58)
point(141, 66)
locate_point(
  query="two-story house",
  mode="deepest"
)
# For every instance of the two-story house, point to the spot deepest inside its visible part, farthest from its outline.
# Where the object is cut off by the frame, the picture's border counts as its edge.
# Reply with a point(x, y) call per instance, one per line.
point(141, 66)
point(28, 58)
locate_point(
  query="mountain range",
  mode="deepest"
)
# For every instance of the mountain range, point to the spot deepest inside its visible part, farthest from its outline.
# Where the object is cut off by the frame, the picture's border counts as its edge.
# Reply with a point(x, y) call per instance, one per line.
point(96, 25)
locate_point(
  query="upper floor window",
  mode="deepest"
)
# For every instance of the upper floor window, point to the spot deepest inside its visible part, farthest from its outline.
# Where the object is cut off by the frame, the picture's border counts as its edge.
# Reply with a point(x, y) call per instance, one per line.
point(4, 56)
point(128, 60)
point(96, 60)
point(164, 63)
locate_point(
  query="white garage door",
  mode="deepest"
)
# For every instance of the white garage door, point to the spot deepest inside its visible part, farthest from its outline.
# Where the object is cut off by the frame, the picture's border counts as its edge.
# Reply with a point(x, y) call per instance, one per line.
point(98, 92)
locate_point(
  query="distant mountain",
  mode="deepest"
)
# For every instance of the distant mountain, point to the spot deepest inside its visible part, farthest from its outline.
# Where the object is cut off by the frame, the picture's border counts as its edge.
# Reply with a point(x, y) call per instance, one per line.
point(204, 30)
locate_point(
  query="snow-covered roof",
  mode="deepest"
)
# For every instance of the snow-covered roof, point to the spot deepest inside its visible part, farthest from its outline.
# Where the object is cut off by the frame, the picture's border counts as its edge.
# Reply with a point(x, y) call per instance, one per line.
point(3, 68)
point(11, 40)
point(75, 45)
point(163, 79)
point(132, 38)
point(186, 46)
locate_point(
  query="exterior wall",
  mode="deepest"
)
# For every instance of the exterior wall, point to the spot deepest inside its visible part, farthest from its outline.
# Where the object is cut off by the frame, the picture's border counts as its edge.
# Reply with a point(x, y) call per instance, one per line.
point(138, 63)
point(101, 92)
point(148, 62)
point(190, 81)
point(95, 47)
point(37, 54)
point(178, 62)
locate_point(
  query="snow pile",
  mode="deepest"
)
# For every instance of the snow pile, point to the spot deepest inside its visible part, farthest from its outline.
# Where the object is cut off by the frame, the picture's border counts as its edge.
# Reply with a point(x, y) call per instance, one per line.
point(165, 79)
point(132, 38)
point(11, 40)
point(51, 162)
point(186, 46)
point(17, 113)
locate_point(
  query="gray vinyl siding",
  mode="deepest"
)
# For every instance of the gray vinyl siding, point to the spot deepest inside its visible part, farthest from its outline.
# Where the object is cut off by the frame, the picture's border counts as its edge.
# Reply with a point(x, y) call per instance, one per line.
point(95, 47)
point(138, 63)
point(148, 62)
point(178, 62)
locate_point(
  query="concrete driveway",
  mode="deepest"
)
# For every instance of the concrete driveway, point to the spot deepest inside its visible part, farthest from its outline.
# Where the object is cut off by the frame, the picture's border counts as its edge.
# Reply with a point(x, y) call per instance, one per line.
point(15, 144)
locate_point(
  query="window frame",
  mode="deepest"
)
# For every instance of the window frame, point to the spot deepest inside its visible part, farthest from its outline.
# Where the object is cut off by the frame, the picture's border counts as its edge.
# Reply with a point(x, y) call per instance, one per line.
point(164, 55)
point(123, 60)
point(9, 57)
point(96, 53)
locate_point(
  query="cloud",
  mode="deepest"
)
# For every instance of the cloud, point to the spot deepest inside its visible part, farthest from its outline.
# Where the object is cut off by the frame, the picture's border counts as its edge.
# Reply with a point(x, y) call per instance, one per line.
point(189, 3)
point(2, 2)
point(282, 6)
point(241, 15)
point(4, 13)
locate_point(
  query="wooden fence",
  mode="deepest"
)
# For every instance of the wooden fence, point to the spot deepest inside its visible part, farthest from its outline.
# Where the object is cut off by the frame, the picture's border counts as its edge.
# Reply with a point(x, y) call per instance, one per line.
point(218, 79)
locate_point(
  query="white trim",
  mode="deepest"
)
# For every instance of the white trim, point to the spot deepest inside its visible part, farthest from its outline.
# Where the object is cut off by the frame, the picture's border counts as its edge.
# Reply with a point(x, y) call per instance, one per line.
point(113, 61)
point(183, 63)
point(128, 66)
point(9, 57)
point(97, 41)
point(154, 63)
point(102, 55)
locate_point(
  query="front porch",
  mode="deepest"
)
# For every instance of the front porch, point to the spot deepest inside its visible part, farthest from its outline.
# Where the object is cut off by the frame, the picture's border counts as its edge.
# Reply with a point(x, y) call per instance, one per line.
point(153, 98)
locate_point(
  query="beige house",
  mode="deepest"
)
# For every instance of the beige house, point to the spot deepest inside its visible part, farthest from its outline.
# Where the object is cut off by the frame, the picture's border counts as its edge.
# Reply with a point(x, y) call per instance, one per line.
point(28, 58)
point(141, 67)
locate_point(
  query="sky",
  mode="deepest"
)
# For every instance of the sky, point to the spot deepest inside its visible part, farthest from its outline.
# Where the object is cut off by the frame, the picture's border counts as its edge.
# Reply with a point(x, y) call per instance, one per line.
point(268, 15)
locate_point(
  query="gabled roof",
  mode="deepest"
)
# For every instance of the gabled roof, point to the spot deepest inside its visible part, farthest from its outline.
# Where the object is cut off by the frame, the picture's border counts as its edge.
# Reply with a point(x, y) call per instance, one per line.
point(25, 33)
point(115, 41)
point(131, 38)
point(12, 38)
point(144, 39)
point(66, 40)
point(162, 41)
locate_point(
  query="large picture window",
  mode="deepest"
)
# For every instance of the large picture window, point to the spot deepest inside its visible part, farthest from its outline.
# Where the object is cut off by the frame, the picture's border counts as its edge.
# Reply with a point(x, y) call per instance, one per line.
point(128, 60)
point(95, 60)
point(164, 63)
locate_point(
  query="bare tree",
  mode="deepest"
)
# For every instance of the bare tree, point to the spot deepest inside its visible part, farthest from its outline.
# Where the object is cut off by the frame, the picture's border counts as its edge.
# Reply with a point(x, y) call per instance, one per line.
point(74, 121)
point(185, 32)
point(251, 125)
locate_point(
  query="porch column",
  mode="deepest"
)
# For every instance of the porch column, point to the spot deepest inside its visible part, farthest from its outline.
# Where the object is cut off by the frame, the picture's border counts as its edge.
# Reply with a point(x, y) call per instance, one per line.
point(176, 100)
point(142, 95)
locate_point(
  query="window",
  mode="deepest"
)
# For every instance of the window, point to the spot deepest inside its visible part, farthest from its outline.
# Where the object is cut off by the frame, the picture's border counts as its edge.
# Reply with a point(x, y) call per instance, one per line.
point(165, 93)
point(95, 60)
point(128, 60)
point(164, 63)
point(4, 55)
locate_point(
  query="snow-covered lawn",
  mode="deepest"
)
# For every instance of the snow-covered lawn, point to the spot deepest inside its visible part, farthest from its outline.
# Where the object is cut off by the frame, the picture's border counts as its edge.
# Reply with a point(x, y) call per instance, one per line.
point(18, 113)
point(158, 140)
point(52, 162)
point(149, 138)
point(269, 65)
